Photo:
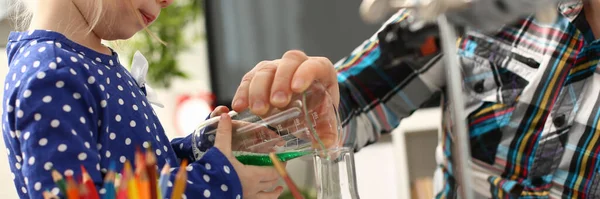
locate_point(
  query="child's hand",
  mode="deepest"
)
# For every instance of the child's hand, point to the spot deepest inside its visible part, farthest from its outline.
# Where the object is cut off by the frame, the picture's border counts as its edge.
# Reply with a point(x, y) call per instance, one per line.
point(255, 179)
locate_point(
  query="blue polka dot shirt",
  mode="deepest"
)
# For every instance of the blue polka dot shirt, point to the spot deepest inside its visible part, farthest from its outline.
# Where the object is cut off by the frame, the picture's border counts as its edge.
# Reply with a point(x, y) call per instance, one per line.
point(67, 106)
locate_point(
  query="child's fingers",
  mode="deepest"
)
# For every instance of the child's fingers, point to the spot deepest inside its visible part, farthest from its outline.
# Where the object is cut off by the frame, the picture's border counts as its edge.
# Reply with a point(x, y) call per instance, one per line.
point(271, 194)
point(267, 177)
point(223, 139)
point(267, 185)
point(265, 173)
point(219, 110)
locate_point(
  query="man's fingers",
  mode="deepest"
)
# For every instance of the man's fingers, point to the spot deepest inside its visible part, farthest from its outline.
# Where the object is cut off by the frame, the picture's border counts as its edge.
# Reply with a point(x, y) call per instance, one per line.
point(240, 99)
point(281, 89)
point(223, 139)
point(315, 68)
point(259, 89)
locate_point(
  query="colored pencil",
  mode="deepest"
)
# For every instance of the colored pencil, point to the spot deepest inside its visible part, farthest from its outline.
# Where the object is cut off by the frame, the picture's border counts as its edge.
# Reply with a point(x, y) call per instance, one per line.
point(60, 181)
point(72, 188)
point(139, 179)
point(84, 192)
point(109, 183)
point(144, 186)
point(141, 175)
point(164, 180)
point(48, 195)
point(118, 179)
point(140, 162)
point(152, 173)
point(121, 182)
point(180, 181)
point(288, 181)
point(86, 179)
point(131, 183)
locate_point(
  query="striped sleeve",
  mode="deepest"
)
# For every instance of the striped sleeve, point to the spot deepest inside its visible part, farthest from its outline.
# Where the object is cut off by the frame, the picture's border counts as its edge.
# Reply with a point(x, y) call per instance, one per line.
point(377, 90)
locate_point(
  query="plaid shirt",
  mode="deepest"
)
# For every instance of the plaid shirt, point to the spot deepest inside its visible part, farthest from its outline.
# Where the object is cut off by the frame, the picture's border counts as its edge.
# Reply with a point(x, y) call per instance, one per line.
point(533, 104)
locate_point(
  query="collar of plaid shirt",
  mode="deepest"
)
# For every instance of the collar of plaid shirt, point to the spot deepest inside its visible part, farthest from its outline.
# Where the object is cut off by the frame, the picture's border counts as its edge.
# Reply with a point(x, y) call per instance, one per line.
point(533, 101)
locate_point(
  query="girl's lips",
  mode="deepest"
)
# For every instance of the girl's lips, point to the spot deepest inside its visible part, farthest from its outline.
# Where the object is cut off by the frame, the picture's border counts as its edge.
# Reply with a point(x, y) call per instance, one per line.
point(148, 18)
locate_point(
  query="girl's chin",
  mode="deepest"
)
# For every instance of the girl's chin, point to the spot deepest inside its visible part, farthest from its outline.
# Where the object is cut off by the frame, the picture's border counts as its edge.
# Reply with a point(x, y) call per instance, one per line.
point(121, 35)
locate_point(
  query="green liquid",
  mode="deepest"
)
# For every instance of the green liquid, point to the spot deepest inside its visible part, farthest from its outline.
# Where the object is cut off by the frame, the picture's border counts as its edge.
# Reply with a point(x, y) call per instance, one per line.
point(263, 159)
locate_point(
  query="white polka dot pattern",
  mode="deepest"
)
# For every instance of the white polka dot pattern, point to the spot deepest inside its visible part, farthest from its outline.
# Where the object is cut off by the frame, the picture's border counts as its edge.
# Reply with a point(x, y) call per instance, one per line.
point(76, 99)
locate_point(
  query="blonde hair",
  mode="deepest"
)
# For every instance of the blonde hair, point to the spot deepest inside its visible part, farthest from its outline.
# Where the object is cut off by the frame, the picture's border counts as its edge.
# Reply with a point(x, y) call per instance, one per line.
point(22, 13)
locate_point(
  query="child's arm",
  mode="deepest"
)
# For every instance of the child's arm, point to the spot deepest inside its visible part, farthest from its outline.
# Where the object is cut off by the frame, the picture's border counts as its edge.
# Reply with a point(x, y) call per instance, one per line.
point(183, 147)
point(59, 131)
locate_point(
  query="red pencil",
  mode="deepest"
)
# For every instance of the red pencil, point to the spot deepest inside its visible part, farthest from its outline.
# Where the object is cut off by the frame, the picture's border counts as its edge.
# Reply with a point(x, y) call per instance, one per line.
point(152, 173)
point(140, 162)
point(122, 189)
point(89, 184)
point(84, 193)
point(126, 176)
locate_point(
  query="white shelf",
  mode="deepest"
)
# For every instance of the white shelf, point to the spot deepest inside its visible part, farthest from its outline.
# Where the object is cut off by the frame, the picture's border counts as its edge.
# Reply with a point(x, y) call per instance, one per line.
point(415, 142)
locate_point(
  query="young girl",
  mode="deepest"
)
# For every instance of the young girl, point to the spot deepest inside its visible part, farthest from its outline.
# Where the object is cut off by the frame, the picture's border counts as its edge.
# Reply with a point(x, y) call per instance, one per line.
point(69, 102)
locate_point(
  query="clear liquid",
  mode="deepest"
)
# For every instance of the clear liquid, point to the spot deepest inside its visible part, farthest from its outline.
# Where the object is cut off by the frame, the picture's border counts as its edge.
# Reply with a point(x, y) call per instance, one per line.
point(263, 159)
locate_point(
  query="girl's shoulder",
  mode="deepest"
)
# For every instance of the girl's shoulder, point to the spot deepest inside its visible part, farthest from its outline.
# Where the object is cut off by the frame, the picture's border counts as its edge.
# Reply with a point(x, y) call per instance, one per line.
point(30, 53)
point(47, 60)
point(37, 50)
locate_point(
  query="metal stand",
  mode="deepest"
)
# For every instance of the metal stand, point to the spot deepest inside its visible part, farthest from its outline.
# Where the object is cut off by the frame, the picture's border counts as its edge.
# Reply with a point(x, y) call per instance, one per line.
point(462, 155)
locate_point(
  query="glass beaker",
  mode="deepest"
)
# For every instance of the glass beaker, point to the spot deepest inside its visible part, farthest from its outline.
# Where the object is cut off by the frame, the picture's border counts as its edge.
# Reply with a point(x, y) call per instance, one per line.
point(310, 121)
point(335, 175)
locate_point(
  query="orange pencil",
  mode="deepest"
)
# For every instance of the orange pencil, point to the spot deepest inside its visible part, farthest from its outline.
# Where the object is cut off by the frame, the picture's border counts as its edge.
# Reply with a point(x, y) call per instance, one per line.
point(141, 175)
point(72, 188)
point(144, 186)
point(89, 184)
point(180, 181)
point(152, 173)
